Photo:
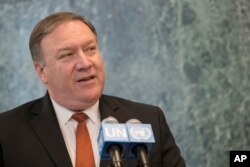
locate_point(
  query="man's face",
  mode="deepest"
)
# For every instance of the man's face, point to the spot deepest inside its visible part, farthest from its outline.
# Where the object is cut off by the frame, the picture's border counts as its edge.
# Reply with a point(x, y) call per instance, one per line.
point(73, 71)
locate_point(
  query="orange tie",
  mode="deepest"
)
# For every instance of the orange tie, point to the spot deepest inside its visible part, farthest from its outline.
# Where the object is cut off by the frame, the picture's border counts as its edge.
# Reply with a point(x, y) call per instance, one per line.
point(84, 152)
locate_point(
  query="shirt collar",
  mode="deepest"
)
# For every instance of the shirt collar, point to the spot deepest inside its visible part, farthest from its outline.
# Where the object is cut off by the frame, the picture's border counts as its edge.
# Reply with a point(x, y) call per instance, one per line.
point(64, 115)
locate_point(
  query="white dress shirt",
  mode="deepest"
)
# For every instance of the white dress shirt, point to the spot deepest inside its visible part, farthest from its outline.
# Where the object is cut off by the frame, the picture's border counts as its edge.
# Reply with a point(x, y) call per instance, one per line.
point(68, 127)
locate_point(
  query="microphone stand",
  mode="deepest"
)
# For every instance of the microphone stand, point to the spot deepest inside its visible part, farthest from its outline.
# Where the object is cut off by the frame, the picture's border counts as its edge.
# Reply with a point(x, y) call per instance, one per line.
point(142, 156)
point(115, 154)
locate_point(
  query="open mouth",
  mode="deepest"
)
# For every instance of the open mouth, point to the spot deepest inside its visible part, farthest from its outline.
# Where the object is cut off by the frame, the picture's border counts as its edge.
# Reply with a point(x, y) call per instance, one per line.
point(86, 79)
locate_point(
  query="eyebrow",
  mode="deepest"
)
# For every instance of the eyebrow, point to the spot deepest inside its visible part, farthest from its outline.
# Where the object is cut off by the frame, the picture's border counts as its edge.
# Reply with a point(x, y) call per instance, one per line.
point(91, 41)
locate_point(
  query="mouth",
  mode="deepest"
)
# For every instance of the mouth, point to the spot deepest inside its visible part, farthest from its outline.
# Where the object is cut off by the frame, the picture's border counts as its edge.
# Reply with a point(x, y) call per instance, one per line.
point(86, 79)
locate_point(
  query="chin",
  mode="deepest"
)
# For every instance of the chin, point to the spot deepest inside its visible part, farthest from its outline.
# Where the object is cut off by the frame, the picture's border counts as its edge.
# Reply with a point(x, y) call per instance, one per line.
point(91, 97)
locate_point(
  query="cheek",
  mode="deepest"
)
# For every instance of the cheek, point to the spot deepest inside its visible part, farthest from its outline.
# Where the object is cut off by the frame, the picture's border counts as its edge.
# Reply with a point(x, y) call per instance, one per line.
point(100, 64)
point(102, 74)
point(58, 73)
point(64, 74)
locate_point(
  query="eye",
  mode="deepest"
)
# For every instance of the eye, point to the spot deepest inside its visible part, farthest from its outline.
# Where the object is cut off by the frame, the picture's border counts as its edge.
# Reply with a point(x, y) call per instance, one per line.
point(69, 54)
point(65, 54)
point(90, 48)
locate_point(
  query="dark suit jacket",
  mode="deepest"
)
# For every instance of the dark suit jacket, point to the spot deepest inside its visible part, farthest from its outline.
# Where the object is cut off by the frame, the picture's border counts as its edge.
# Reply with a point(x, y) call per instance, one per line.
point(30, 135)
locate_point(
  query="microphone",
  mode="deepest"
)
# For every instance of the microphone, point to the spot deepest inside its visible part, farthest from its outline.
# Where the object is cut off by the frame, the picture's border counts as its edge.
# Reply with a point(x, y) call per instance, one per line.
point(141, 139)
point(113, 141)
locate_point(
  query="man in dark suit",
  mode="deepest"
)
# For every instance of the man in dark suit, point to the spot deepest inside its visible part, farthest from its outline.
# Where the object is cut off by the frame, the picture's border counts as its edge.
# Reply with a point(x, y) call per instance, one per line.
point(42, 133)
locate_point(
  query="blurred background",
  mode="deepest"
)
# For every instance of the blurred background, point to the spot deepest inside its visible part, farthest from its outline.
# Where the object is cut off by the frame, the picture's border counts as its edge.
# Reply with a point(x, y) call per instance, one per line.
point(190, 57)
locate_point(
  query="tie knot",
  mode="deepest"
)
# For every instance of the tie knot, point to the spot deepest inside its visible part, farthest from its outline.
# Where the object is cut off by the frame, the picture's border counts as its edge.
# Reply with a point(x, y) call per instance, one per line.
point(80, 117)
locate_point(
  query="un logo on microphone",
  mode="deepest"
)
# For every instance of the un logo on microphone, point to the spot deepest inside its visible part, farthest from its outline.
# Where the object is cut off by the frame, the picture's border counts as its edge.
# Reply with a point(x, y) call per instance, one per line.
point(140, 132)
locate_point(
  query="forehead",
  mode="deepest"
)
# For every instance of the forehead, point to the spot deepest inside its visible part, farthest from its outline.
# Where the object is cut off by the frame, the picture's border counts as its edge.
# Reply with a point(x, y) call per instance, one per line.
point(68, 32)
point(72, 27)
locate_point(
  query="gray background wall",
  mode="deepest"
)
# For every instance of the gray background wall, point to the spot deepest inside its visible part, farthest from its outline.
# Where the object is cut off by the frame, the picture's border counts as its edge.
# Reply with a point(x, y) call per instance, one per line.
point(190, 57)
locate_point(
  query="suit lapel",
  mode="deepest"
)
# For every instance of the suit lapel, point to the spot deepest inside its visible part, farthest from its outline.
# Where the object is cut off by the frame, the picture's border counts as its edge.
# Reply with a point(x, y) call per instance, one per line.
point(109, 106)
point(48, 131)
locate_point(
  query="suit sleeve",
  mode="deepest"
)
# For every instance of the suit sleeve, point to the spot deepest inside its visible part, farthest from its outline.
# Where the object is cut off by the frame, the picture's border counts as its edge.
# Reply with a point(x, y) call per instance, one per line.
point(171, 155)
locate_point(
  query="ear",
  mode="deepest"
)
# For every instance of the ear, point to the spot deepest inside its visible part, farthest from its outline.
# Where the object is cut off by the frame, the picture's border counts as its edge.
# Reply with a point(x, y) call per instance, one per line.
point(41, 72)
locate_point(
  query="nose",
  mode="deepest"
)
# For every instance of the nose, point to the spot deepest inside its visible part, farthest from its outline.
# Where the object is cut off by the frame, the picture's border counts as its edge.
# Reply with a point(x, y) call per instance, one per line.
point(83, 63)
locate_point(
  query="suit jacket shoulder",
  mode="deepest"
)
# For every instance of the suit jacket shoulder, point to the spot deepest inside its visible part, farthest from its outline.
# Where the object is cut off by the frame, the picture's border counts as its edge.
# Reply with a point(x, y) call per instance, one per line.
point(30, 136)
point(126, 109)
point(12, 118)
